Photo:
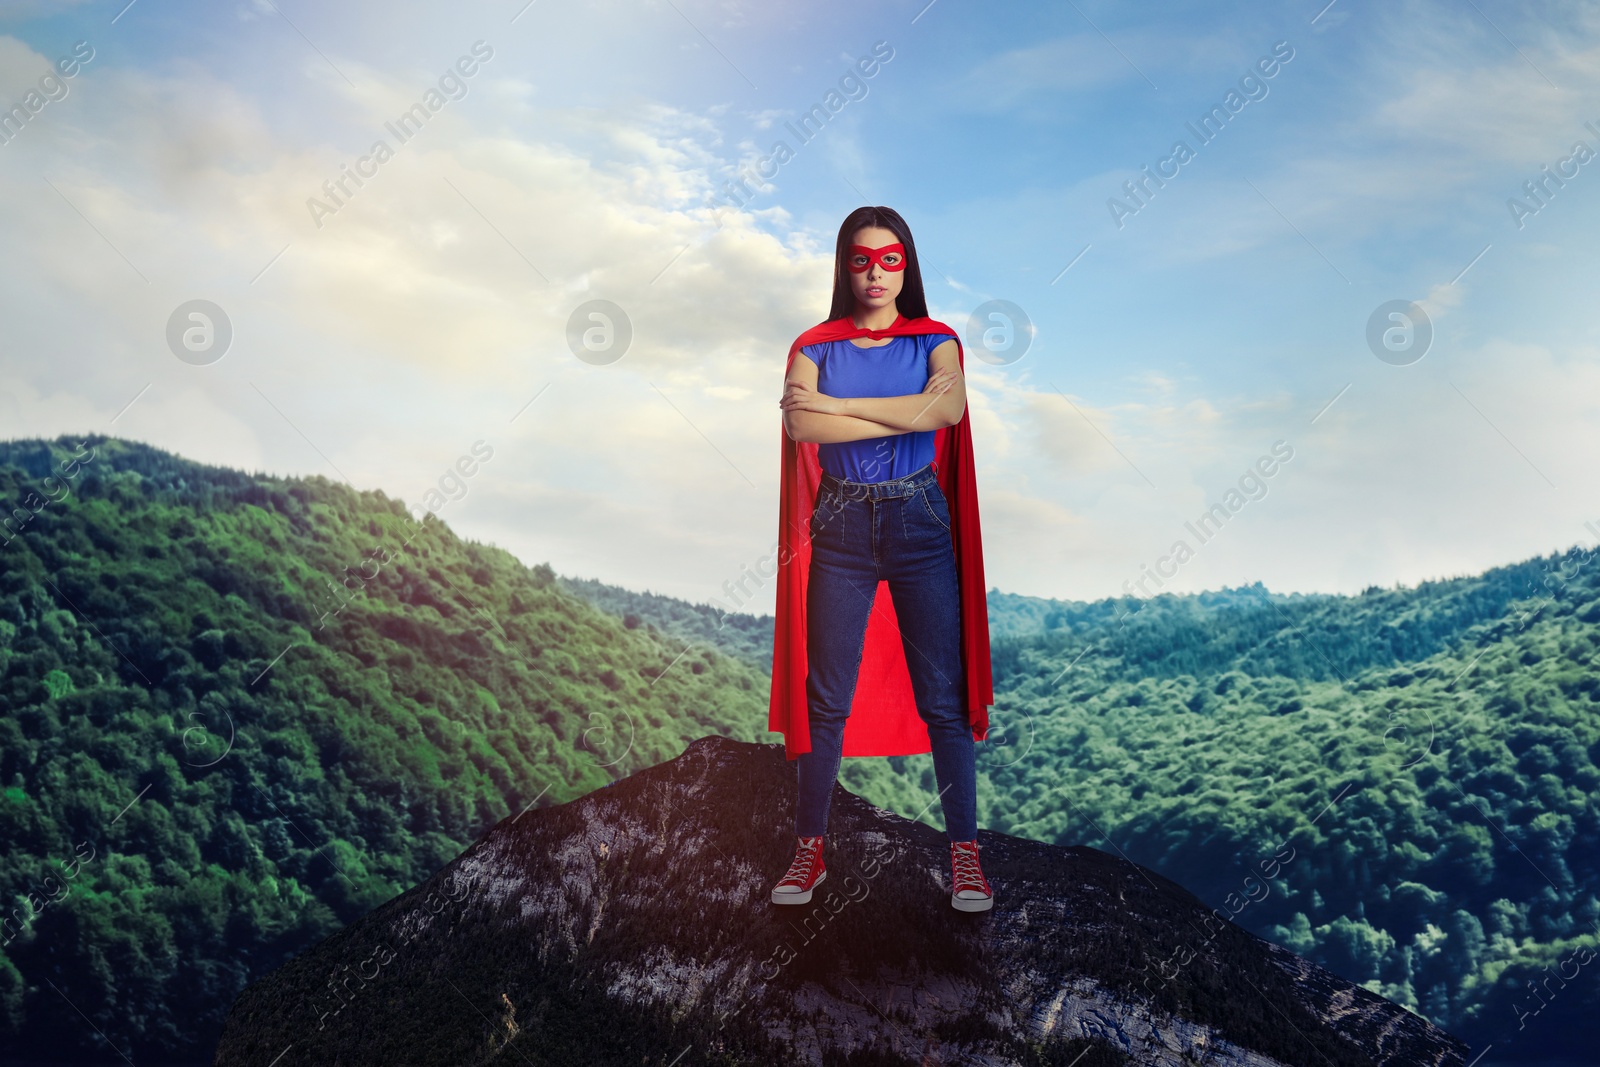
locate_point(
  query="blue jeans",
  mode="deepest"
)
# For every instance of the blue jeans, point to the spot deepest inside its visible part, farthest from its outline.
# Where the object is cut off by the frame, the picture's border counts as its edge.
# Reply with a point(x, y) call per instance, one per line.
point(862, 532)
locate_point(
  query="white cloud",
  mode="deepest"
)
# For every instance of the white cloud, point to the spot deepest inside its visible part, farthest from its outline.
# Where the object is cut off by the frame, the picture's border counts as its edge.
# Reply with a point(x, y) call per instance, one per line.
point(411, 324)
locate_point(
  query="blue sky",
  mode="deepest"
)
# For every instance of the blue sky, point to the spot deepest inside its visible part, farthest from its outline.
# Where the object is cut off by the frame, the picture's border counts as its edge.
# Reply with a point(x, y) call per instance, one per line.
point(585, 158)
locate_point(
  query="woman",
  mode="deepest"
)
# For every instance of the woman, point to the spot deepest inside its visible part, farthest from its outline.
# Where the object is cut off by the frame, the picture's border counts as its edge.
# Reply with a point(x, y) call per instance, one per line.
point(878, 491)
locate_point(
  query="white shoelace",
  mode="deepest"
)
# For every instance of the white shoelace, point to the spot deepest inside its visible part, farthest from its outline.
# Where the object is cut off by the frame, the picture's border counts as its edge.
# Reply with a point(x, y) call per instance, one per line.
point(800, 869)
point(968, 873)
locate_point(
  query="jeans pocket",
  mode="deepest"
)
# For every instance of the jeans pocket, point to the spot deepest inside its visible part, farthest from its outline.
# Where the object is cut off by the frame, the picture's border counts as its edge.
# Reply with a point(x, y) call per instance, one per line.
point(930, 508)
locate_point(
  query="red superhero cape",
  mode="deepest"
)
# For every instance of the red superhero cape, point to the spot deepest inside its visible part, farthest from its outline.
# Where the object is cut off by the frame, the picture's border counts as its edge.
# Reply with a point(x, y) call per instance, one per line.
point(883, 715)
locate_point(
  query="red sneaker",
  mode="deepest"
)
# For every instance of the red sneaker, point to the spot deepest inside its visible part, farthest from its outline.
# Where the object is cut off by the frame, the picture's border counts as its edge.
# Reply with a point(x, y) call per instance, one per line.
point(805, 873)
point(970, 891)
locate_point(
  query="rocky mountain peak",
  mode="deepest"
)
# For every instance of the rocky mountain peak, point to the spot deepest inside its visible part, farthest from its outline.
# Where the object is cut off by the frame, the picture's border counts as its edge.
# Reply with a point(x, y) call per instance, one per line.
point(633, 926)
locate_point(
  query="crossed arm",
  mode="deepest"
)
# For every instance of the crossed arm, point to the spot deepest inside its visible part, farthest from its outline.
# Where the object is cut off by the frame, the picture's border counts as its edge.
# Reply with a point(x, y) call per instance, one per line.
point(812, 416)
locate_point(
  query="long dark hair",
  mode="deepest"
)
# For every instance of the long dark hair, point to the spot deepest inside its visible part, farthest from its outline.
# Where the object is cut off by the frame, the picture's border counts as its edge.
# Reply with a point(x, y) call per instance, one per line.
point(911, 303)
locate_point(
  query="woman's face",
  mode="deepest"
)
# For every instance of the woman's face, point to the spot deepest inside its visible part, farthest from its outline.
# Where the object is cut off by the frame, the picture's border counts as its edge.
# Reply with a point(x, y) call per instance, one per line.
point(875, 286)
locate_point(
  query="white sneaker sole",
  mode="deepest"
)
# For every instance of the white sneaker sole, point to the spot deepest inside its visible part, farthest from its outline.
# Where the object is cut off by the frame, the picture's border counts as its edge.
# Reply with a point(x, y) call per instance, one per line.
point(803, 897)
point(971, 904)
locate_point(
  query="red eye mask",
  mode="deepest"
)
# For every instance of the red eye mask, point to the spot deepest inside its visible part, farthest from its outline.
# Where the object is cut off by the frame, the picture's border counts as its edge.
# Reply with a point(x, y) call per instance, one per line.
point(878, 256)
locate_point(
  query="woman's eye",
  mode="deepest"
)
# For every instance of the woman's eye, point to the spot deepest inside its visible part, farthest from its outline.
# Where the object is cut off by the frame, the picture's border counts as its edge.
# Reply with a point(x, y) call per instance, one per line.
point(891, 258)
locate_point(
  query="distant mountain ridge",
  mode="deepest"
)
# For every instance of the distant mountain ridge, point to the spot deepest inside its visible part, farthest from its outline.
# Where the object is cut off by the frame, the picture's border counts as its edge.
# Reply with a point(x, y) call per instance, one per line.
point(743, 636)
point(1380, 627)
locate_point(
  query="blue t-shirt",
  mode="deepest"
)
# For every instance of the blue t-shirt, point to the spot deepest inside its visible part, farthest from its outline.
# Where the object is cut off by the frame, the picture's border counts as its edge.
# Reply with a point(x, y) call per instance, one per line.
point(899, 368)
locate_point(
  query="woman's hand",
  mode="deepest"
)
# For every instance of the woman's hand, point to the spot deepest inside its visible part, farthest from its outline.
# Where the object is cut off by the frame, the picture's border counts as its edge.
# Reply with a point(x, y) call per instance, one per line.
point(797, 397)
point(940, 382)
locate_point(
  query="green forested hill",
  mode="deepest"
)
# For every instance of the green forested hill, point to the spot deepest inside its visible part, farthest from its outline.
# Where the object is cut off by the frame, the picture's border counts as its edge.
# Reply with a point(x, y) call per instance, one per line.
point(1399, 785)
point(241, 711)
point(1428, 828)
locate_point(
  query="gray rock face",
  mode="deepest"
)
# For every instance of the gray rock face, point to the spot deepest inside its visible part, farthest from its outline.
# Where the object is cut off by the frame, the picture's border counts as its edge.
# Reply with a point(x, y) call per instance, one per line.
point(633, 926)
